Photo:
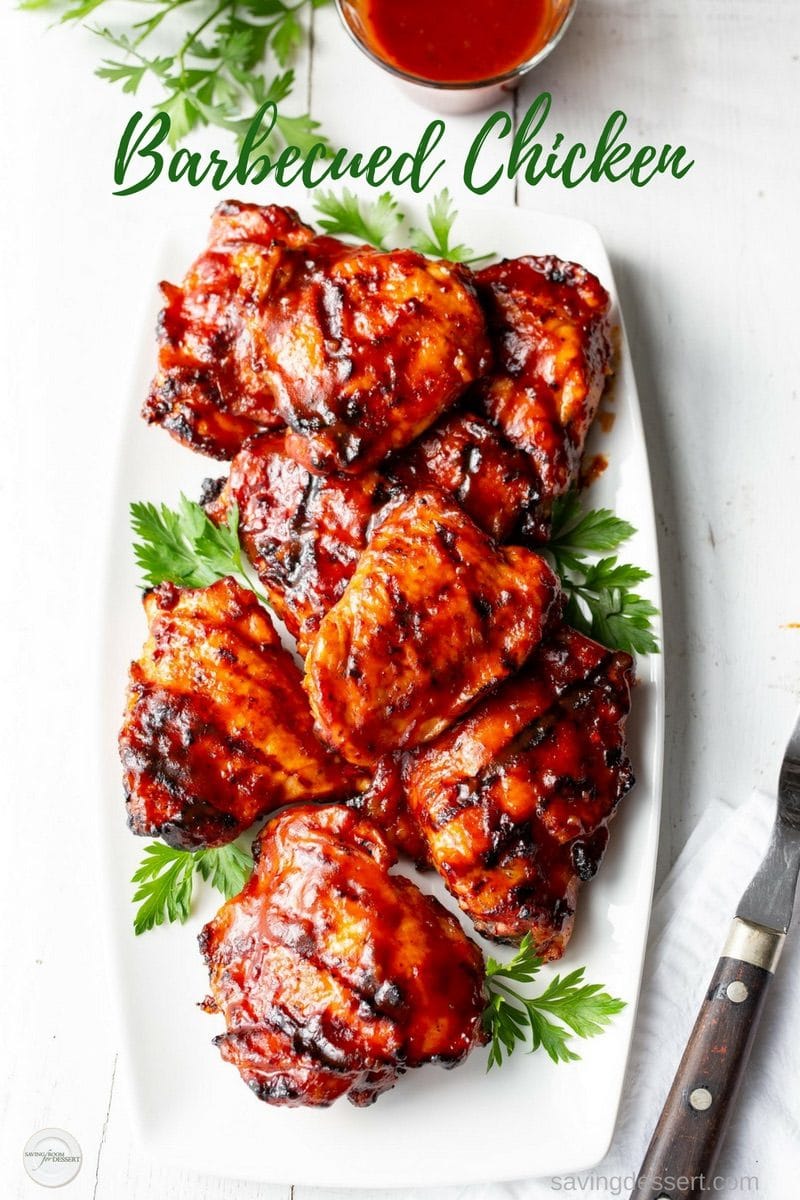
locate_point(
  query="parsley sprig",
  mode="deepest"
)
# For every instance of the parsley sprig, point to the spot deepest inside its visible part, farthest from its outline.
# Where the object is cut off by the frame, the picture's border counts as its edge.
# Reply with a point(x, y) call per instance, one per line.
point(166, 880)
point(184, 546)
point(379, 222)
point(442, 214)
point(567, 1007)
point(213, 70)
point(601, 597)
point(376, 222)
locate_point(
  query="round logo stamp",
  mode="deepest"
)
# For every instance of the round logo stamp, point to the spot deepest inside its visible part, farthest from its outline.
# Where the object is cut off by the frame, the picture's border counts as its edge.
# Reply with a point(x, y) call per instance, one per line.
point(52, 1157)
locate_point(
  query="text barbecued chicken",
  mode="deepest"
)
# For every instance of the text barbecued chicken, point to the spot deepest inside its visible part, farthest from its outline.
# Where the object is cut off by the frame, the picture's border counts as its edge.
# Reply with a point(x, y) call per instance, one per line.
point(217, 730)
point(514, 800)
point(356, 350)
point(549, 325)
point(334, 977)
point(435, 614)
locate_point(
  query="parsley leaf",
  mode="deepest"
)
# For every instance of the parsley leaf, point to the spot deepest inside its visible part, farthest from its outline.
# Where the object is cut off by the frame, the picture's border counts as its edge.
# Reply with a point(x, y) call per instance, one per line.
point(184, 546)
point(165, 877)
point(213, 72)
point(373, 221)
point(436, 244)
point(601, 601)
point(567, 1007)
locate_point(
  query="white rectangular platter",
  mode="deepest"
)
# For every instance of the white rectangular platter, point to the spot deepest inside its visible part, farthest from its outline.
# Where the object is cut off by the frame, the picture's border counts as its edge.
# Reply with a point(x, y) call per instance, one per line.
point(436, 1127)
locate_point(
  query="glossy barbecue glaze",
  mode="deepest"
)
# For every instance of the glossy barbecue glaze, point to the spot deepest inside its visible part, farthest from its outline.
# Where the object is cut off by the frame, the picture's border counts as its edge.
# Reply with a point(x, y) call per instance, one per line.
point(435, 615)
point(334, 976)
point(211, 389)
point(356, 350)
point(217, 730)
point(549, 327)
point(513, 801)
point(385, 803)
point(304, 533)
point(464, 456)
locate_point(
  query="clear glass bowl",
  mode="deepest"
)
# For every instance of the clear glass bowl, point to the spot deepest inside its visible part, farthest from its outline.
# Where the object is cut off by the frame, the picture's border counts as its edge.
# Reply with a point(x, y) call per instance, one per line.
point(456, 97)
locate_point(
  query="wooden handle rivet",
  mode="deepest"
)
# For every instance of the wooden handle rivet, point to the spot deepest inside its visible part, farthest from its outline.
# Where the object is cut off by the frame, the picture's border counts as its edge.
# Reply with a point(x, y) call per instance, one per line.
point(700, 1099)
point(737, 991)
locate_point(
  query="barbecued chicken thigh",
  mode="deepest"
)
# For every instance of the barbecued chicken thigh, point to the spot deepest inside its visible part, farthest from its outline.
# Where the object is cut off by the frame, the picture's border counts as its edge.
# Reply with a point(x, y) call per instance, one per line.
point(356, 350)
point(217, 730)
point(211, 389)
point(335, 977)
point(513, 801)
point(549, 326)
point(434, 616)
point(305, 533)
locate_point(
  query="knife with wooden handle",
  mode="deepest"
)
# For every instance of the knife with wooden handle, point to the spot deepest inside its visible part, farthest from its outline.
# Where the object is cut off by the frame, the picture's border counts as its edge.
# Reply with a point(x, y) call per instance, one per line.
point(682, 1155)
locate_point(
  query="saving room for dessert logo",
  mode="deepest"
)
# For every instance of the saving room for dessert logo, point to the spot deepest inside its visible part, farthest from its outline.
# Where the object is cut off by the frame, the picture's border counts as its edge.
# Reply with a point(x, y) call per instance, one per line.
point(52, 1157)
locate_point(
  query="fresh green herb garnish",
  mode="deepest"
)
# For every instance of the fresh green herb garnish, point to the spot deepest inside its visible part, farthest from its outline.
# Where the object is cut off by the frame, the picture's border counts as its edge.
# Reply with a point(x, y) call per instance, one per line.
point(184, 546)
point(379, 223)
point(374, 221)
point(213, 72)
point(601, 600)
point(166, 876)
point(436, 243)
point(567, 1007)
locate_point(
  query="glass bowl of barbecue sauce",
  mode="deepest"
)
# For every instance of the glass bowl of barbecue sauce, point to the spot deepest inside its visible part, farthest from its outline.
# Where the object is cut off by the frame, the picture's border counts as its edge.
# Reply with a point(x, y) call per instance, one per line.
point(456, 56)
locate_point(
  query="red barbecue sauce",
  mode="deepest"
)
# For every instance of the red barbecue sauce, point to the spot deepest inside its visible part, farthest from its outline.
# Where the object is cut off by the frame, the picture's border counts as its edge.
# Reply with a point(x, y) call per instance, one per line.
point(456, 41)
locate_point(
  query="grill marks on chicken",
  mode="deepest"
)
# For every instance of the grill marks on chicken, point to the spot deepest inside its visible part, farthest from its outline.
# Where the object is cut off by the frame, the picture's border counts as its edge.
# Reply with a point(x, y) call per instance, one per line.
point(305, 533)
point(367, 349)
point(514, 800)
point(356, 350)
point(434, 616)
point(217, 730)
point(334, 976)
point(211, 389)
point(549, 327)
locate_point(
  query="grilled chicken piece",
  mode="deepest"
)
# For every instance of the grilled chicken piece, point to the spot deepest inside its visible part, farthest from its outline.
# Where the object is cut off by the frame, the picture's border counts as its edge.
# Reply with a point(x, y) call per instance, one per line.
point(384, 802)
point(211, 389)
point(356, 350)
point(305, 533)
point(367, 349)
point(217, 730)
point(514, 800)
point(471, 461)
point(434, 616)
point(334, 976)
point(549, 325)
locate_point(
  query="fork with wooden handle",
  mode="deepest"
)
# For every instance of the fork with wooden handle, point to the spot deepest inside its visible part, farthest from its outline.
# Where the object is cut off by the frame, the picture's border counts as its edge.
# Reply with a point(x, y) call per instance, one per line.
point(682, 1155)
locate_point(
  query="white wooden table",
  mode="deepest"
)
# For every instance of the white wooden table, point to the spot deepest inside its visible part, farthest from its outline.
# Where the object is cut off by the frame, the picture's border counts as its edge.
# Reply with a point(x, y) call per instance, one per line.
point(707, 272)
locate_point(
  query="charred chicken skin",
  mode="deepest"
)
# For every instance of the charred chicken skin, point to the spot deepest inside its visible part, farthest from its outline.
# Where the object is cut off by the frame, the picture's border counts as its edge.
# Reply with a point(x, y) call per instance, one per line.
point(305, 533)
point(217, 730)
point(514, 800)
point(356, 350)
point(335, 977)
point(549, 325)
point(211, 389)
point(435, 615)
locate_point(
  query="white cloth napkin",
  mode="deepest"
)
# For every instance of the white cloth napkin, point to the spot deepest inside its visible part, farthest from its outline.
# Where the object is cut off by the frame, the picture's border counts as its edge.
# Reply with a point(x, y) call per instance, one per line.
point(691, 914)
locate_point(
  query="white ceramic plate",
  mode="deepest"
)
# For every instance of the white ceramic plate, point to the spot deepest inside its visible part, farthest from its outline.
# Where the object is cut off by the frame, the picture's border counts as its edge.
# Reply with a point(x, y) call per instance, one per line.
point(435, 1127)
